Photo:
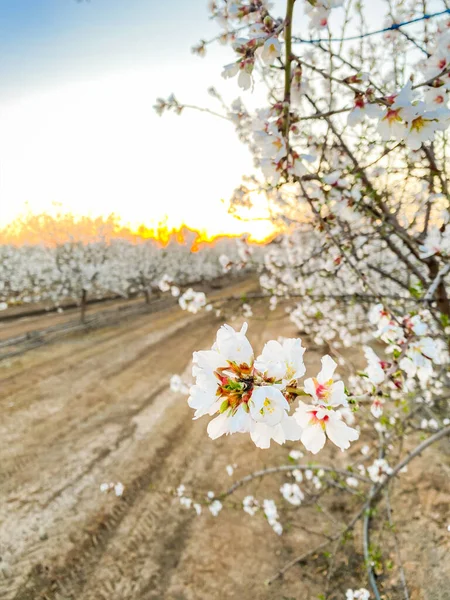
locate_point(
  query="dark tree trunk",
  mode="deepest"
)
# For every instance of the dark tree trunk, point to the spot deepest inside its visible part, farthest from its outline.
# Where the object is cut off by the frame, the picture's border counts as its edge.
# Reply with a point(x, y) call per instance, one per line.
point(83, 306)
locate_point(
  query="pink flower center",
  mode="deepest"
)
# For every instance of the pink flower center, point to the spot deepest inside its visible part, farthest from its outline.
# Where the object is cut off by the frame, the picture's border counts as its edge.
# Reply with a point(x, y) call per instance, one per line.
point(314, 420)
point(322, 389)
point(392, 115)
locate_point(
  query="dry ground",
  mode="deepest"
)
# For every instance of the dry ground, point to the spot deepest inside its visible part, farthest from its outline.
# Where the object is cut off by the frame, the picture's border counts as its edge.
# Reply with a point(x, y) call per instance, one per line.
point(96, 407)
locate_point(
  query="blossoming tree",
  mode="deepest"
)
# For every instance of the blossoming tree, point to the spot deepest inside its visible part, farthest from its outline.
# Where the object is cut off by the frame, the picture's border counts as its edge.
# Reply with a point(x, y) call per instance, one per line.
point(350, 151)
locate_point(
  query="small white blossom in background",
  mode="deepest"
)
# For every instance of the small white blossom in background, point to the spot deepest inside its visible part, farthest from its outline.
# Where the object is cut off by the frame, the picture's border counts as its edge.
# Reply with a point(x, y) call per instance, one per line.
point(361, 594)
point(378, 470)
point(436, 242)
point(230, 469)
point(117, 487)
point(215, 507)
point(376, 407)
point(247, 311)
point(271, 50)
point(375, 367)
point(3, 305)
point(178, 386)
point(186, 501)
point(352, 482)
point(250, 505)
point(225, 262)
point(271, 512)
point(430, 424)
point(295, 454)
point(319, 12)
point(244, 69)
point(165, 283)
point(297, 475)
point(316, 482)
point(292, 493)
point(192, 301)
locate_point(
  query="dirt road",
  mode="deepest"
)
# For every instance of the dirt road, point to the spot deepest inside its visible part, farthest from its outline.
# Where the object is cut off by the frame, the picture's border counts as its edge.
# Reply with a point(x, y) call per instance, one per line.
point(96, 407)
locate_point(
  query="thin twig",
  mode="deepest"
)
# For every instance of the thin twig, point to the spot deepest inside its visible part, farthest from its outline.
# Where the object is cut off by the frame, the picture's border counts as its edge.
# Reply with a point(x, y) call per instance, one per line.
point(373, 498)
point(396, 544)
point(283, 468)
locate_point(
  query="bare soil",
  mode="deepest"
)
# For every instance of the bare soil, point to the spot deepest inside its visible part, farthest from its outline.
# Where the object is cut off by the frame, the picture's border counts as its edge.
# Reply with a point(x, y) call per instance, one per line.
point(96, 407)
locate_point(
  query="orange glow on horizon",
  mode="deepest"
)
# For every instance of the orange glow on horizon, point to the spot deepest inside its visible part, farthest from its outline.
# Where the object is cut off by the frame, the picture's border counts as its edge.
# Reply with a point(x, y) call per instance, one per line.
point(49, 230)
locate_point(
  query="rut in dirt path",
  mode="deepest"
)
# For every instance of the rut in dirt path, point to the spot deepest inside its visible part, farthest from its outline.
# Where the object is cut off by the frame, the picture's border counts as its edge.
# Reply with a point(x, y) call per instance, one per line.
point(75, 420)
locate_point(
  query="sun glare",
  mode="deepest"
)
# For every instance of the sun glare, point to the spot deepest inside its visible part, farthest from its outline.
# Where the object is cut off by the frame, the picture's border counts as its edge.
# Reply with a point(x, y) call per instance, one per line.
point(59, 227)
point(97, 147)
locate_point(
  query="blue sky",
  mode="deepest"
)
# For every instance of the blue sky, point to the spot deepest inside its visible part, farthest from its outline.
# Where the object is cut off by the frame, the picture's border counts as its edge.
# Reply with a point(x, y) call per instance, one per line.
point(48, 41)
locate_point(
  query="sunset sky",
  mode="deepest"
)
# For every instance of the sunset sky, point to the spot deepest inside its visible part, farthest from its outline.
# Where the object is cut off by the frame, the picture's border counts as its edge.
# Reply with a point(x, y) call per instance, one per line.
point(77, 126)
point(79, 80)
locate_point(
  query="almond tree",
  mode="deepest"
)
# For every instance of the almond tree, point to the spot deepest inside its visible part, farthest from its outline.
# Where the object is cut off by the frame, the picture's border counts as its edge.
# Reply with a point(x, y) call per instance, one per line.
point(350, 150)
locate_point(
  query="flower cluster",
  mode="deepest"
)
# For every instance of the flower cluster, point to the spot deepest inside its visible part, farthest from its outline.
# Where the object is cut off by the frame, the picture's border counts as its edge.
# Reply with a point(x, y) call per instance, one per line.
point(186, 501)
point(379, 470)
point(437, 242)
point(250, 505)
point(117, 487)
point(319, 12)
point(361, 594)
point(409, 339)
point(255, 396)
point(262, 42)
point(292, 493)
point(411, 120)
point(270, 142)
point(178, 386)
point(271, 512)
point(408, 115)
point(192, 301)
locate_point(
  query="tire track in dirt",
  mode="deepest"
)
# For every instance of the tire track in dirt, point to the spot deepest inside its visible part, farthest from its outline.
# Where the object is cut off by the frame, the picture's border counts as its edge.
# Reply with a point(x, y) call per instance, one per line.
point(113, 369)
point(71, 578)
point(90, 345)
point(131, 369)
point(153, 564)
